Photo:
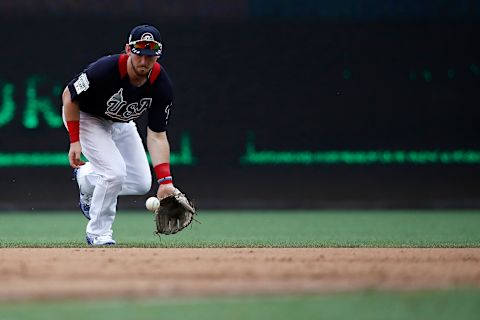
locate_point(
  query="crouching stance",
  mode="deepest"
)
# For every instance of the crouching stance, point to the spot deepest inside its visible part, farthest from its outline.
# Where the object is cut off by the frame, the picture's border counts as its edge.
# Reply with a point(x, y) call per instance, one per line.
point(99, 106)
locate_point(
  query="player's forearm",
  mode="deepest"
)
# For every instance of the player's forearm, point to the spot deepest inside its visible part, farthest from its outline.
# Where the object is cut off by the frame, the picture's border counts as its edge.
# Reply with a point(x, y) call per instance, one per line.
point(158, 147)
point(71, 112)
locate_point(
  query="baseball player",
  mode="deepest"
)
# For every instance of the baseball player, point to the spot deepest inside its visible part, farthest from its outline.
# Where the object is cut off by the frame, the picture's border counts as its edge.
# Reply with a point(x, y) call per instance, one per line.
point(99, 106)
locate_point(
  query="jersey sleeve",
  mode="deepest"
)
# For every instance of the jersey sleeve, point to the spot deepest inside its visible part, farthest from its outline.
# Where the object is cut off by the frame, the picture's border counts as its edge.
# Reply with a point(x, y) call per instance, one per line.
point(85, 83)
point(159, 113)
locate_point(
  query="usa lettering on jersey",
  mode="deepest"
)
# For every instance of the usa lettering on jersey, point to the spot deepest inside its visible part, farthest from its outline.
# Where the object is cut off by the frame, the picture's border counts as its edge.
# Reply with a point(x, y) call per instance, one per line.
point(82, 83)
point(120, 109)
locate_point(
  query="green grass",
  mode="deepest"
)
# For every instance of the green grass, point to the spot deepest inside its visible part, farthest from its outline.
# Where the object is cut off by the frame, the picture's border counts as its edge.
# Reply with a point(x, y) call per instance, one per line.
point(256, 229)
point(260, 229)
point(460, 304)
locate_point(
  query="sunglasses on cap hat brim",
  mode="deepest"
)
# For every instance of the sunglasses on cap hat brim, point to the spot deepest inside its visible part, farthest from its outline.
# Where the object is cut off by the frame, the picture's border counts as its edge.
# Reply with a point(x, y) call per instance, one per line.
point(152, 47)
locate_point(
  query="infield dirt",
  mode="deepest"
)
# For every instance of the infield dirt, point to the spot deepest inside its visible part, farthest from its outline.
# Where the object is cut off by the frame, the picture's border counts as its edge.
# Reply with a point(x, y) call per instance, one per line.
point(39, 274)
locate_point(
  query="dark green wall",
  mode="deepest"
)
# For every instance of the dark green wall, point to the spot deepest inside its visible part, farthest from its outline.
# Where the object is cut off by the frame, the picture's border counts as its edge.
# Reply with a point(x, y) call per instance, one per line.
point(313, 86)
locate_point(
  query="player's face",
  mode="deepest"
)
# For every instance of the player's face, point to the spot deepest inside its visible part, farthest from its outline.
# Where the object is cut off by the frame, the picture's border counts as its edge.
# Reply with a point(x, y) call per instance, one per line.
point(142, 64)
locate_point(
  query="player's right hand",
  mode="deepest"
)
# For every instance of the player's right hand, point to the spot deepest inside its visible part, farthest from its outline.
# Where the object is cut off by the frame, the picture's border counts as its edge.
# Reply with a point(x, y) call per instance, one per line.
point(74, 155)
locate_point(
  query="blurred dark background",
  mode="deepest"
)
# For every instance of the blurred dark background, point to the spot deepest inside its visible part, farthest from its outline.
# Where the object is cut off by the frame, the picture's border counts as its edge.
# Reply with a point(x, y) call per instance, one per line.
point(289, 76)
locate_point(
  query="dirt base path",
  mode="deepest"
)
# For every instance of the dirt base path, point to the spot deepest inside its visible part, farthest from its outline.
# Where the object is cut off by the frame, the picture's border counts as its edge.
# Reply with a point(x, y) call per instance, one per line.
point(27, 274)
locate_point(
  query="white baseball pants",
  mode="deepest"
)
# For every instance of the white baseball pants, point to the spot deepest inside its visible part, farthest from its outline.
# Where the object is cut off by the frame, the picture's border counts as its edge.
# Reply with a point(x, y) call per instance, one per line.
point(117, 165)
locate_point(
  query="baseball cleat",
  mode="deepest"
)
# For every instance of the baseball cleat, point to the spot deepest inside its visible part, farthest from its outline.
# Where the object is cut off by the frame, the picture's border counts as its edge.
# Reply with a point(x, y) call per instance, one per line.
point(85, 199)
point(100, 240)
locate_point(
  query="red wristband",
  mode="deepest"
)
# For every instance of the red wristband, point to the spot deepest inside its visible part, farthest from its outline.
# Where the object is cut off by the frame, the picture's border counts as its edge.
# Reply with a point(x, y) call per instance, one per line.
point(73, 130)
point(162, 171)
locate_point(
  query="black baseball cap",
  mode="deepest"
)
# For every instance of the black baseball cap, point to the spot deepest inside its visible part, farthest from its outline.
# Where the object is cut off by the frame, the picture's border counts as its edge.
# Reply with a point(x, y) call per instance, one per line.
point(145, 40)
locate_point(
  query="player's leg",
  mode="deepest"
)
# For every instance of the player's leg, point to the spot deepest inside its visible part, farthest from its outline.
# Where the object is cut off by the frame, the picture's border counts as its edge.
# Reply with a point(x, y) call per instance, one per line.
point(86, 180)
point(139, 179)
point(106, 171)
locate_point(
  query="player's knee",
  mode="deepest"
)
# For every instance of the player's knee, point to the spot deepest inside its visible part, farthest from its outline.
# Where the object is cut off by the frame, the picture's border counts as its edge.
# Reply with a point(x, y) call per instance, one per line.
point(143, 185)
point(115, 175)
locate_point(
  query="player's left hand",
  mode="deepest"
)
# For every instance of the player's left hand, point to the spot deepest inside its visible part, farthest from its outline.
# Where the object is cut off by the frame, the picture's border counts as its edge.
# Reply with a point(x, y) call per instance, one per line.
point(176, 212)
point(165, 190)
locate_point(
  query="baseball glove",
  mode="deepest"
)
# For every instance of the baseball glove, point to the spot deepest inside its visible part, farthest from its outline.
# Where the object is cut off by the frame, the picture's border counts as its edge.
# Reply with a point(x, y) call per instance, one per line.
point(174, 214)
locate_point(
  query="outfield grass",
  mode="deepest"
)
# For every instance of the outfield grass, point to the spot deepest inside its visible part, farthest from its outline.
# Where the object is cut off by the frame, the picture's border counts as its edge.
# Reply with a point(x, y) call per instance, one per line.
point(256, 229)
point(366, 305)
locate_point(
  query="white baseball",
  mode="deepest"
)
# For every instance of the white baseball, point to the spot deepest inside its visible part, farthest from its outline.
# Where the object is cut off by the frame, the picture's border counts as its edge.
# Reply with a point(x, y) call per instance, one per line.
point(152, 204)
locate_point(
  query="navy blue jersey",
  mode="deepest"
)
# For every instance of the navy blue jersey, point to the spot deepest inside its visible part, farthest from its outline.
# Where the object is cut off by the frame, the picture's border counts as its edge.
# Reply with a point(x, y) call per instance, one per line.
point(104, 89)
